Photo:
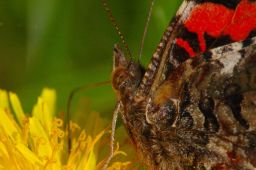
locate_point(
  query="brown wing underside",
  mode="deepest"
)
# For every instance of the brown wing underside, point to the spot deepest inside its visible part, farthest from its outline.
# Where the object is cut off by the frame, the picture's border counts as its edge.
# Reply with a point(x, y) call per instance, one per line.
point(214, 126)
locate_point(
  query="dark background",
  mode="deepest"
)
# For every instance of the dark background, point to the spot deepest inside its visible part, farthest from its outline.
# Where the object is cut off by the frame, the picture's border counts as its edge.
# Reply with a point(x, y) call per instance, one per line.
point(63, 44)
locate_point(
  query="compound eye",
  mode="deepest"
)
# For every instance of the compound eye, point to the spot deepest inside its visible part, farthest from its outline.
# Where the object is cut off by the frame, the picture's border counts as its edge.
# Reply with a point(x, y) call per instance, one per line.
point(119, 78)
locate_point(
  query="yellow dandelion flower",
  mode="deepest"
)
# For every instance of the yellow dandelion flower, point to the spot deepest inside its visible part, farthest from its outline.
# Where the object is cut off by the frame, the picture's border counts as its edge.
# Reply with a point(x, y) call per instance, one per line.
point(37, 142)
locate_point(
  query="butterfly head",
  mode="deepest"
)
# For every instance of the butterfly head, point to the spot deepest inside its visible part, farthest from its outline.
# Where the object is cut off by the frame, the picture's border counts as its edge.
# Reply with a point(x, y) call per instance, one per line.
point(126, 74)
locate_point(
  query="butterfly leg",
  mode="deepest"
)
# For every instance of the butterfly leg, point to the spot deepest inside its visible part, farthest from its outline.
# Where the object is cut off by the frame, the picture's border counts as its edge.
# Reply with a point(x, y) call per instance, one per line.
point(112, 136)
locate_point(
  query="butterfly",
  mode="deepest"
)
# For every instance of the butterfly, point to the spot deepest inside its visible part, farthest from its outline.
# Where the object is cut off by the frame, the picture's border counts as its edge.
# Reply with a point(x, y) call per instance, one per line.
point(194, 106)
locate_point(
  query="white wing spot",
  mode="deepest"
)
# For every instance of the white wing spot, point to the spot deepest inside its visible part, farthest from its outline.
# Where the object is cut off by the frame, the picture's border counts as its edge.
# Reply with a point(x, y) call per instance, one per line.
point(229, 62)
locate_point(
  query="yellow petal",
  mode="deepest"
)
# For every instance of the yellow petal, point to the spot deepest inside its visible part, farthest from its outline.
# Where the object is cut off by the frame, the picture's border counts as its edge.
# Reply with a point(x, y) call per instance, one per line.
point(3, 150)
point(91, 162)
point(49, 96)
point(97, 138)
point(37, 110)
point(28, 154)
point(9, 127)
point(89, 157)
point(17, 107)
point(119, 166)
point(40, 138)
point(85, 153)
point(41, 112)
point(4, 103)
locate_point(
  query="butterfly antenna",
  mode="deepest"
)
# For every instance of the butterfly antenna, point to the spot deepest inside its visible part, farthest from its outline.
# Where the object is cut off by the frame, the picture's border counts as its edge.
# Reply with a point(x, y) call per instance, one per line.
point(146, 28)
point(69, 102)
point(114, 23)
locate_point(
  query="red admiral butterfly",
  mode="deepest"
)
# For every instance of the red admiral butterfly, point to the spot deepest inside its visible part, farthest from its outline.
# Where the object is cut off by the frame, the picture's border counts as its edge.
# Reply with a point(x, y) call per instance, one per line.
point(194, 107)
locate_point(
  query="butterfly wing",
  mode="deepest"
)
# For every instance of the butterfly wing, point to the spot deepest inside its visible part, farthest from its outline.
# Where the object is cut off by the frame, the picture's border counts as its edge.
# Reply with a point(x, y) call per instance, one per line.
point(214, 124)
point(220, 98)
point(198, 26)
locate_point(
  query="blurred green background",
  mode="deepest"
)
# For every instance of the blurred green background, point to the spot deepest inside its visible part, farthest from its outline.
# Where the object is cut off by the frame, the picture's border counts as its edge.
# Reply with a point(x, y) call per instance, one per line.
point(63, 44)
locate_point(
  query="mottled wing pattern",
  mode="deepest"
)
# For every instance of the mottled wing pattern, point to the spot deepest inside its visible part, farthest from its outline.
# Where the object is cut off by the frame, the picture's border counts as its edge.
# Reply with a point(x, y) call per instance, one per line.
point(209, 121)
